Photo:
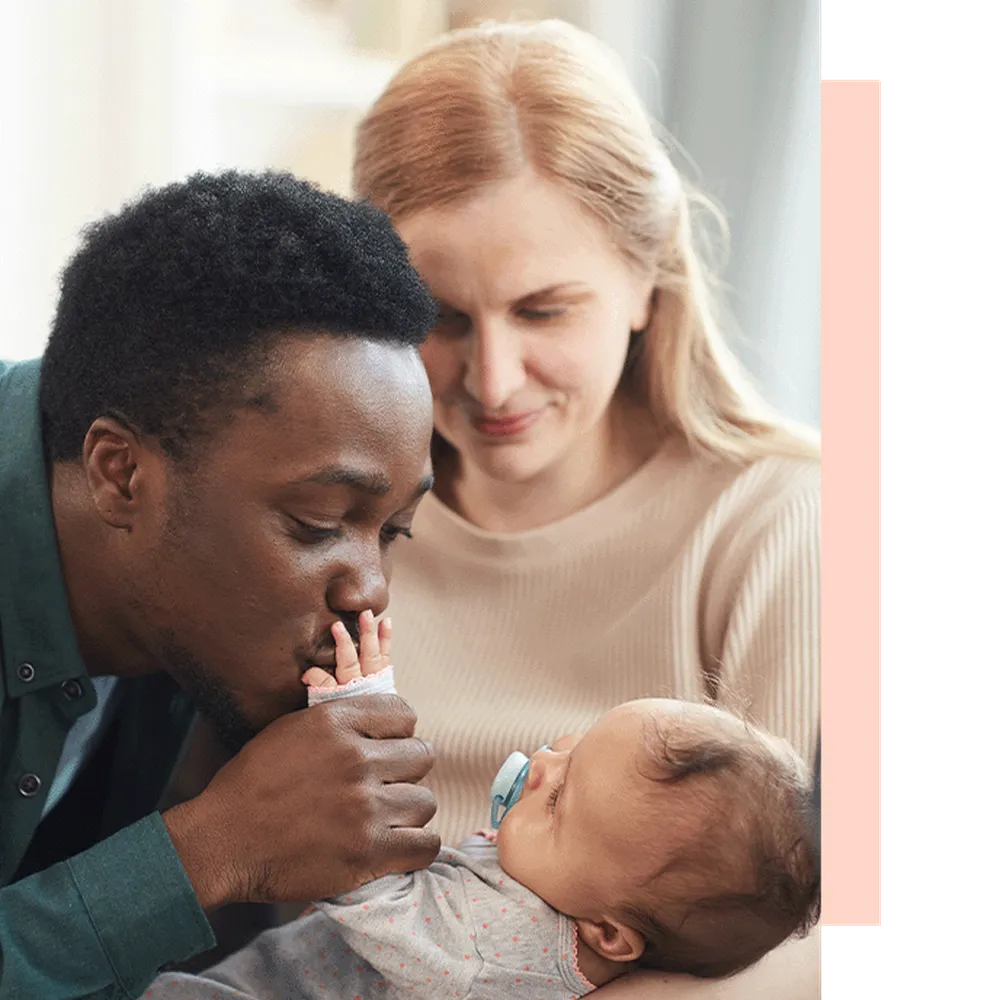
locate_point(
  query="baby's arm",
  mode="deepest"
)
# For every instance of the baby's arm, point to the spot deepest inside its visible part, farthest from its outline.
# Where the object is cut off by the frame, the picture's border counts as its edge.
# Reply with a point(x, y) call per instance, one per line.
point(414, 929)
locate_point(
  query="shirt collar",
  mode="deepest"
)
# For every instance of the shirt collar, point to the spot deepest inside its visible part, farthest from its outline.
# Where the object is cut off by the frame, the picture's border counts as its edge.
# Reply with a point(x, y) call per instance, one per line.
point(36, 628)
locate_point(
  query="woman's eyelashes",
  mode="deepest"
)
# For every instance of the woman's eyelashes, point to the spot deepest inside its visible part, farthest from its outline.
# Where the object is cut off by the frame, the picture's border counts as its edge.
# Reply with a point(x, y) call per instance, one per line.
point(451, 323)
point(540, 315)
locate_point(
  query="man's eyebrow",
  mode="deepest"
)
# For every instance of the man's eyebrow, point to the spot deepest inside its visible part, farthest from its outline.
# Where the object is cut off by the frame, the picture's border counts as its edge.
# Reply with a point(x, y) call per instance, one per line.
point(425, 486)
point(373, 483)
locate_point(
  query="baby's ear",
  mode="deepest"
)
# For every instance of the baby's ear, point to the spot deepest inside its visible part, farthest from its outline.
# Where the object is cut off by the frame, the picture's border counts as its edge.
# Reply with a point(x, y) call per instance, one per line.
point(611, 939)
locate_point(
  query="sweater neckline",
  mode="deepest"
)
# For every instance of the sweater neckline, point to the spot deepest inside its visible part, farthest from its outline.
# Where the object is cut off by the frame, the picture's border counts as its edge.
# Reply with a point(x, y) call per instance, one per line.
point(663, 475)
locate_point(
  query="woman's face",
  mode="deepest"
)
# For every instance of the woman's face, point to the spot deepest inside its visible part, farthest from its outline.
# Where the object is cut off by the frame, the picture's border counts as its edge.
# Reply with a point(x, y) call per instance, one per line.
point(536, 309)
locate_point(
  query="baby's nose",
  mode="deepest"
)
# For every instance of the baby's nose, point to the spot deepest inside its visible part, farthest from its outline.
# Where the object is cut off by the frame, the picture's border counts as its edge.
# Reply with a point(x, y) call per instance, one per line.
point(541, 761)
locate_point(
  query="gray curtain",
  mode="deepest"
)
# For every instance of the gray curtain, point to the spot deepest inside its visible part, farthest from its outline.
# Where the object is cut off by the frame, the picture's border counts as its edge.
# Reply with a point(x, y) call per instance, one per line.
point(737, 83)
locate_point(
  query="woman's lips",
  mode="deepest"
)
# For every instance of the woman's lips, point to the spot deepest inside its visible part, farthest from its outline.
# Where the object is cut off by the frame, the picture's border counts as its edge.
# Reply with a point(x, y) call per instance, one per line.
point(503, 427)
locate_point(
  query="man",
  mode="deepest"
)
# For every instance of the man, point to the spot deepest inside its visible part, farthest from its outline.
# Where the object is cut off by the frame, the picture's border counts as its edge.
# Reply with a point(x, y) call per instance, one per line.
point(207, 469)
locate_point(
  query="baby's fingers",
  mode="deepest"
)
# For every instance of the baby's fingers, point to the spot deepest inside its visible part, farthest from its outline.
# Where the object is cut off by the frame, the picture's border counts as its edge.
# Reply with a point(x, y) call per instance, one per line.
point(317, 677)
point(348, 667)
point(371, 659)
point(385, 640)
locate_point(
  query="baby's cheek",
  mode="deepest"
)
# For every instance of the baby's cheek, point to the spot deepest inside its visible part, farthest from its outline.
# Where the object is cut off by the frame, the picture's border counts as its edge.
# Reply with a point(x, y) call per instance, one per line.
point(521, 855)
point(506, 844)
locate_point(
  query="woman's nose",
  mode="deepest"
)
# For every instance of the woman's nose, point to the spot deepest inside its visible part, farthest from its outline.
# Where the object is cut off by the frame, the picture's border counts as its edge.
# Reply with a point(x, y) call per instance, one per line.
point(494, 370)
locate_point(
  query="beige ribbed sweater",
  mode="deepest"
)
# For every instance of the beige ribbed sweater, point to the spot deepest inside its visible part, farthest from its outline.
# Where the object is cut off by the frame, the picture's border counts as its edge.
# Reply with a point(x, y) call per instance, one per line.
point(686, 572)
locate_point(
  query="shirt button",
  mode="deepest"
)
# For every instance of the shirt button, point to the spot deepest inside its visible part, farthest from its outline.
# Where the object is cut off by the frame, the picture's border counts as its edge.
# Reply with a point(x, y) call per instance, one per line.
point(29, 784)
point(72, 690)
point(26, 672)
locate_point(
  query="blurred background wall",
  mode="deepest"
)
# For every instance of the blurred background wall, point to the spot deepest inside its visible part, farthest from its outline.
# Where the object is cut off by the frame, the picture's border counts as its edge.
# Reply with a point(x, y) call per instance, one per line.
point(99, 98)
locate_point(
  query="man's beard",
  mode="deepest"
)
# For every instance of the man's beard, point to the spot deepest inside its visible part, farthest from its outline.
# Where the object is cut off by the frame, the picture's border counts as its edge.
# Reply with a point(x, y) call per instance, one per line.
point(211, 697)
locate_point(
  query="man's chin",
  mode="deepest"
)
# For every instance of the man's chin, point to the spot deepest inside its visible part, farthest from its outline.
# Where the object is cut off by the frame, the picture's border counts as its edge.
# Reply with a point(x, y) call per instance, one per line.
point(214, 701)
point(233, 730)
point(234, 726)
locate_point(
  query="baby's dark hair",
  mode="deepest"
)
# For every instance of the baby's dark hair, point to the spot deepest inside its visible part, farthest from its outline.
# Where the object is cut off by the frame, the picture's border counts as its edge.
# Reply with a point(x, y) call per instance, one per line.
point(742, 872)
point(169, 308)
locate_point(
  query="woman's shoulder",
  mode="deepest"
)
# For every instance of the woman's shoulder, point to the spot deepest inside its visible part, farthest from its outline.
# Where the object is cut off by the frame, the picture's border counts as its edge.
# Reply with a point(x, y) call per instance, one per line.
point(718, 492)
point(777, 480)
point(771, 506)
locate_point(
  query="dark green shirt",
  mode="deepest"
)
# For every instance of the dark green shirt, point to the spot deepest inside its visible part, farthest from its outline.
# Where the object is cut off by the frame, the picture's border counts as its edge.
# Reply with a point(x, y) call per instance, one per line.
point(93, 899)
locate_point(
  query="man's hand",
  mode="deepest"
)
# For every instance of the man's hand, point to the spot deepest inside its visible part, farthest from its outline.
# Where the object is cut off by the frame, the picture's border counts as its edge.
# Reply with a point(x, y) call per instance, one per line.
point(320, 802)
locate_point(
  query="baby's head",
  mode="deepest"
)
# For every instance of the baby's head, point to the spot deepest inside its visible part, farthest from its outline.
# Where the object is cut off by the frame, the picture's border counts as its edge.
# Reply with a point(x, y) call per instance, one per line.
point(677, 835)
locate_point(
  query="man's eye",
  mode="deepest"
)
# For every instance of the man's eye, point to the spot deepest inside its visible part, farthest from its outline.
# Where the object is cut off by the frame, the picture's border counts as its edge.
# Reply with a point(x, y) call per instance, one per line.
point(391, 532)
point(313, 532)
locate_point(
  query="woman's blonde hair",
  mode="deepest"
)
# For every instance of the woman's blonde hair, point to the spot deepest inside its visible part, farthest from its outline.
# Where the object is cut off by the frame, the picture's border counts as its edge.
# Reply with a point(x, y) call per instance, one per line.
point(482, 104)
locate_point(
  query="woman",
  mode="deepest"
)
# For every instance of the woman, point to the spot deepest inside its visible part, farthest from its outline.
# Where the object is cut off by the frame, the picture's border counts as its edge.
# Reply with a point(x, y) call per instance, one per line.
point(615, 515)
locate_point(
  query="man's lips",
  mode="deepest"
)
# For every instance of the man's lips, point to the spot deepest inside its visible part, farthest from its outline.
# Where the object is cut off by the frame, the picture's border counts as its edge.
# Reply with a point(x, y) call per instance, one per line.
point(500, 427)
point(325, 660)
point(325, 653)
point(326, 656)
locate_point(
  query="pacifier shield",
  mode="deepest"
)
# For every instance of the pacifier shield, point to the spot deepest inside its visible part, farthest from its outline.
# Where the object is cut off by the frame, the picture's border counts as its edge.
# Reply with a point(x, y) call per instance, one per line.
point(507, 786)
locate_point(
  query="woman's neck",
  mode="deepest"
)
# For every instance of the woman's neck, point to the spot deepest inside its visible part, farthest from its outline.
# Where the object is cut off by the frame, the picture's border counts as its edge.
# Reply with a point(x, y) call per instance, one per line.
point(595, 466)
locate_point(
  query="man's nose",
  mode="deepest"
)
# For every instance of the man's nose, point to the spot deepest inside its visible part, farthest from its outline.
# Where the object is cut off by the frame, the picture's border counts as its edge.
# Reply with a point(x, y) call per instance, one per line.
point(361, 586)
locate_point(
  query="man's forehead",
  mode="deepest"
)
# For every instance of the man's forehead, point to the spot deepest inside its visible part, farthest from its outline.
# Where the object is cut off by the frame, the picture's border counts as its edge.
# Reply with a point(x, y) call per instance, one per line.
point(325, 385)
point(329, 412)
point(373, 482)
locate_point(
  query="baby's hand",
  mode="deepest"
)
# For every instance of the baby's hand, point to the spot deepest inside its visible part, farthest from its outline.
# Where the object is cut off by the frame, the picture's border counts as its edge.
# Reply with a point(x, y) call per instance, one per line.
point(373, 656)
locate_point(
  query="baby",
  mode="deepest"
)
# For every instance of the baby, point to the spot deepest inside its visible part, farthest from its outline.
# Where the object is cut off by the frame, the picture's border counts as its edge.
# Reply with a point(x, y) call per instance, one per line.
point(670, 836)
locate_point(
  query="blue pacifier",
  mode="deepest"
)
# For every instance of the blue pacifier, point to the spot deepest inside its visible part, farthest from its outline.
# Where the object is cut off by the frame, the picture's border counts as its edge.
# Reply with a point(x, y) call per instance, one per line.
point(508, 785)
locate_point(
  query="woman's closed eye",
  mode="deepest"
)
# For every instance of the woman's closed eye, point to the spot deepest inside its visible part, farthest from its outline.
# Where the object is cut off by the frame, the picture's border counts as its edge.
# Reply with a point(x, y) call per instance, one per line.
point(451, 323)
point(540, 315)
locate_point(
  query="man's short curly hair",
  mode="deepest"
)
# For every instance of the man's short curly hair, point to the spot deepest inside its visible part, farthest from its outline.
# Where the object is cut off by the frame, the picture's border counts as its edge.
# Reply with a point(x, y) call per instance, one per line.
point(170, 306)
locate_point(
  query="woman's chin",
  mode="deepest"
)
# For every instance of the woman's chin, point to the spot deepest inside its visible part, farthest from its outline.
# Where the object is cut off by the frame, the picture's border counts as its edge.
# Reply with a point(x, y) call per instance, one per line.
point(518, 464)
point(510, 461)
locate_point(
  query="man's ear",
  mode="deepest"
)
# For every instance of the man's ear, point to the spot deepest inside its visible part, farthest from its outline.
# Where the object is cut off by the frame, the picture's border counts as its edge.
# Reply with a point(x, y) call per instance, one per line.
point(611, 939)
point(117, 468)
